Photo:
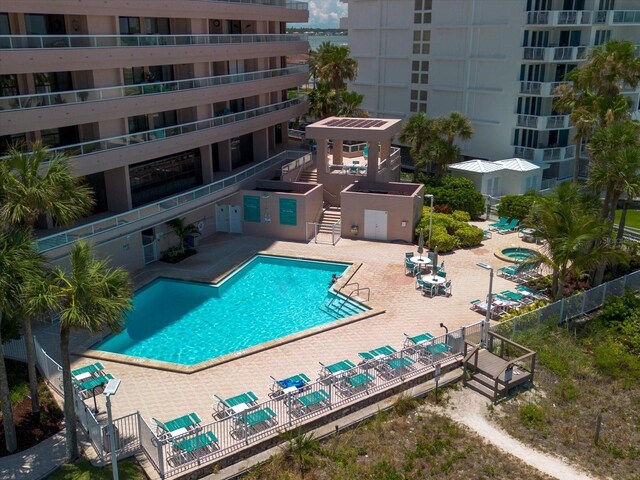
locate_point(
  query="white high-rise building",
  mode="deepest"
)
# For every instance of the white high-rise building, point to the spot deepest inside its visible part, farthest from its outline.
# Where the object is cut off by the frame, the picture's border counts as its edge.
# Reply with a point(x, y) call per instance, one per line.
point(495, 61)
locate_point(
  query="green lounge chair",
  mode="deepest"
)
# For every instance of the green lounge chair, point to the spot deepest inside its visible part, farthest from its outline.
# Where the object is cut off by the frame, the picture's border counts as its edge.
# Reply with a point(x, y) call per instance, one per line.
point(395, 366)
point(178, 426)
point(500, 223)
point(202, 440)
point(248, 398)
point(512, 226)
point(355, 383)
point(94, 383)
point(437, 348)
point(418, 339)
point(264, 416)
point(335, 368)
point(516, 297)
point(298, 381)
point(90, 369)
point(377, 353)
point(313, 399)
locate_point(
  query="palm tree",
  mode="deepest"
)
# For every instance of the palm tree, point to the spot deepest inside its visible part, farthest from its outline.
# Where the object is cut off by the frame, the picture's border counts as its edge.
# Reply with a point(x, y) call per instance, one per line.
point(615, 152)
point(322, 101)
point(416, 133)
point(91, 296)
point(571, 231)
point(333, 65)
point(349, 104)
point(182, 230)
point(33, 184)
point(18, 260)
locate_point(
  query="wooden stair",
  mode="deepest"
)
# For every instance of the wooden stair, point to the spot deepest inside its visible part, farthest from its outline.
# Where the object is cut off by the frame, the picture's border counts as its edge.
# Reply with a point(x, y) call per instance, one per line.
point(309, 176)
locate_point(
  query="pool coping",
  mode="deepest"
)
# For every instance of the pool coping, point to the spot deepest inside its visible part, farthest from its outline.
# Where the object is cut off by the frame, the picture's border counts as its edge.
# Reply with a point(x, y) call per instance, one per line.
point(344, 280)
point(498, 254)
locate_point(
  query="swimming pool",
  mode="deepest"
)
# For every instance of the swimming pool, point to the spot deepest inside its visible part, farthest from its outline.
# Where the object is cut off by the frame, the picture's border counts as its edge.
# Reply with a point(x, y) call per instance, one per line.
point(265, 299)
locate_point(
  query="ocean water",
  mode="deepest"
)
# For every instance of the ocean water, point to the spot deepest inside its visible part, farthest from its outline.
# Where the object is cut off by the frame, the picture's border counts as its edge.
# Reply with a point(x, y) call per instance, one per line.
point(316, 40)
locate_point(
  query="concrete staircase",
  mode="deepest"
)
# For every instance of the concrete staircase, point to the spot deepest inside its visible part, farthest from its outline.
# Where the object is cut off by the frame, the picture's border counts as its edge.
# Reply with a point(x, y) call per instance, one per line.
point(309, 176)
point(329, 217)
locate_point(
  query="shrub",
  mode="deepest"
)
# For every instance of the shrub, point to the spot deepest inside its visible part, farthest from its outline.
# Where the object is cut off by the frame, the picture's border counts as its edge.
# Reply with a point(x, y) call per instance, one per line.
point(532, 416)
point(468, 235)
point(441, 239)
point(461, 216)
point(458, 193)
point(516, 206)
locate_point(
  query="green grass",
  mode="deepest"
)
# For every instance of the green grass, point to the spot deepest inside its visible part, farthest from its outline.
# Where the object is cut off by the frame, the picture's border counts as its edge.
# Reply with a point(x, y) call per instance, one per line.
point(632, 220)
point(83, 470)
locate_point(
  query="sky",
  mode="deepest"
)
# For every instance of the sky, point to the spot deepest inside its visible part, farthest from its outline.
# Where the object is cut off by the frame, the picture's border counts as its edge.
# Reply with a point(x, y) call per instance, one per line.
point(326, 13)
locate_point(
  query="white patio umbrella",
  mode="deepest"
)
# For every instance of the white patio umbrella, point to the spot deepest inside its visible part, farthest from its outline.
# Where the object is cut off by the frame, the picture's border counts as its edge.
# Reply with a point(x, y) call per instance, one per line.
point(435, 260)
point(421, 243)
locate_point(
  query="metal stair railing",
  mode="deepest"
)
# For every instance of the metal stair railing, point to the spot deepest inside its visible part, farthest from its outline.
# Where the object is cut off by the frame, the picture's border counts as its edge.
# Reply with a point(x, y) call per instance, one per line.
point(355, 291)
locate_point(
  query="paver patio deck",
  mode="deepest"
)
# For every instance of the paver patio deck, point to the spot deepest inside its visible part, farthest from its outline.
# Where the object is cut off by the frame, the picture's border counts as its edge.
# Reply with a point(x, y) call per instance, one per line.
point(165, 395)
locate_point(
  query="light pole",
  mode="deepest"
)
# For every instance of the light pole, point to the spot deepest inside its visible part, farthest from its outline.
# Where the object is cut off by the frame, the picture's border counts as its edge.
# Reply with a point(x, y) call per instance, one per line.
point(446, 330)
point(487, 320)
point(430, 217)
point(109, 390)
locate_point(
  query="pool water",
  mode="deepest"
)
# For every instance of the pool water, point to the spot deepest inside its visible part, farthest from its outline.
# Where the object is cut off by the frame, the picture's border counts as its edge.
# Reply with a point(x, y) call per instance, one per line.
point(518, 254)
point(265, 299)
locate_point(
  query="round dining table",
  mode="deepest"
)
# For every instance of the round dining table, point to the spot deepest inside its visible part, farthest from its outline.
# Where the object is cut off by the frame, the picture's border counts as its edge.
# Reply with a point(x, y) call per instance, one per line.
point(433, 279)
point(421, 261)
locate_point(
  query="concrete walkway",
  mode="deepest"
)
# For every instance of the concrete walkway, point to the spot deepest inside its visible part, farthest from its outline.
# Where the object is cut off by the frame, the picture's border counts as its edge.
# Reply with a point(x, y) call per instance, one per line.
point(35, 463)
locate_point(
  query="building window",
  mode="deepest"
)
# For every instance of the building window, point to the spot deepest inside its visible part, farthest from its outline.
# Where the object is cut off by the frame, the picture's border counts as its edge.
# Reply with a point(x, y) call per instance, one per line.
point(129, 26)
point(164, 177)
point(157, 26)
point(53, 82)
point(4, 24)
point(133, 76)
point(602, 36)
point(37, 24)
point(9, 85)
point(138, 123)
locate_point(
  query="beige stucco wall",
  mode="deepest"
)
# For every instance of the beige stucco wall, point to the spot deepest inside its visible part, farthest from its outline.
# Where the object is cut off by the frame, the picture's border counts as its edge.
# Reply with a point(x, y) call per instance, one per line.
point(399, 208)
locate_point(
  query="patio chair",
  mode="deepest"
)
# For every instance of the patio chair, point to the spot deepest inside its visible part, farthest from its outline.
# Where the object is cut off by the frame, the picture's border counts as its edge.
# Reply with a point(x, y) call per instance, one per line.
point(189, 447)
point(395, 366)
point(430, 289)
point(355, 383)
point(88, 371)
point(409, 254)
point(512, 226)
point(416, 340)
point(265, 417)
point(510, 272)
point(537, 294)
point(178, 426)
point(90, 385)
point(445, 288)
point(516, 297)
point(234, 405)
point(372, 356)
point(420, 283)
point(311, 401)
point(410, 267)
point(486, 234)
point(295, 383)
point(335, 369)
point(500, 223)
point(434, 352)
point(442, 274)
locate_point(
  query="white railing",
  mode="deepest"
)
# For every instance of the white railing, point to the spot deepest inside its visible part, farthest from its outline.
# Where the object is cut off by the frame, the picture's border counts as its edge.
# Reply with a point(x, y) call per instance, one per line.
point(121, 141)
point(297, 163)
point(546, 89)
point(626, 16)
point(38, 100)
point(15, 349)
point(50, 369)
point(545, 154)
point(288, 413)
point(152, 210)
point(103, 41)
point(289, 4)
point(560, 17)
point(570, 307)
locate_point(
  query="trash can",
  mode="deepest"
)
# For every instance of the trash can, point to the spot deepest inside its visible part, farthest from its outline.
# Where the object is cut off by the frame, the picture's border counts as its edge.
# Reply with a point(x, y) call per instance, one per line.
point(192, 241)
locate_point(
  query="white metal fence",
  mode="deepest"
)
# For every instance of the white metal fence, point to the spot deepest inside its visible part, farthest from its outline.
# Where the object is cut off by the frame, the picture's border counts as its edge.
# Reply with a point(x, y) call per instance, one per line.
point(234, 431)
point(15, 349)
point(571, 307)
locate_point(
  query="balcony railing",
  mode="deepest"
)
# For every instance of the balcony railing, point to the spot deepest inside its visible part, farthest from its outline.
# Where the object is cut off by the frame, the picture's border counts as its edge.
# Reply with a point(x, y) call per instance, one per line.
point(292, 5)
point(626, 16)
point(155, 210)
point(86, 148)
point(552, 154)
point(555, 54)
point(101, 41)
point(544, 89)
point(543, 122)
point(19, 102)
point(560, 17)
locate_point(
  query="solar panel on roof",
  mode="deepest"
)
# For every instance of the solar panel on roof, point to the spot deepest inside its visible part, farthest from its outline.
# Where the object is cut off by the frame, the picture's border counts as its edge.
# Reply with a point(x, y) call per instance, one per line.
point(355, 123)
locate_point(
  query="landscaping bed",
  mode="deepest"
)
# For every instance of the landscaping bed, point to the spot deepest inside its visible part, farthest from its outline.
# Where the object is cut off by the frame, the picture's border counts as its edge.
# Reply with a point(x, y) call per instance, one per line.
point(409, 442)
point(31, 429)
point(586, 371)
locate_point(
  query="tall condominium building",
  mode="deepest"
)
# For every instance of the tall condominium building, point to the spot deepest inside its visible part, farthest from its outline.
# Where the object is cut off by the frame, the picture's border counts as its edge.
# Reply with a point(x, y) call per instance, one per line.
point(150, 98)
point(496, 61)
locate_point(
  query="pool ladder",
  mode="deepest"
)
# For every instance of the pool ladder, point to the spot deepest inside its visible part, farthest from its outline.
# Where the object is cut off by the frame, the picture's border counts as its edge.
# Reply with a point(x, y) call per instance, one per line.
point(345, 299)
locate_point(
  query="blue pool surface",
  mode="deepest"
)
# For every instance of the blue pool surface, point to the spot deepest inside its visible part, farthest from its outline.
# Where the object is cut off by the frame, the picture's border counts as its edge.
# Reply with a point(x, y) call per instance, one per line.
point(265, 299)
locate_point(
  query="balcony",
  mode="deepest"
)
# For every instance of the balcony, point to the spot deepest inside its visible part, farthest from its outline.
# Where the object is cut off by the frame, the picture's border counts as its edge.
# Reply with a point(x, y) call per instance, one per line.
point(21, 102)
point(102, 41)
point(548, 155)
point(548, 122)
point(543, 89)
point(163, 210)
point(555, 54)
point(122, 141)
point(554, 18)
point(617, 17)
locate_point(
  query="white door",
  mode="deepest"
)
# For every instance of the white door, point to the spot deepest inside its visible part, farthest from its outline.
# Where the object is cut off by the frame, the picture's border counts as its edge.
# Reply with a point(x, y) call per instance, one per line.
point(235, 219)
point(222, 218)
point(375, 225)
